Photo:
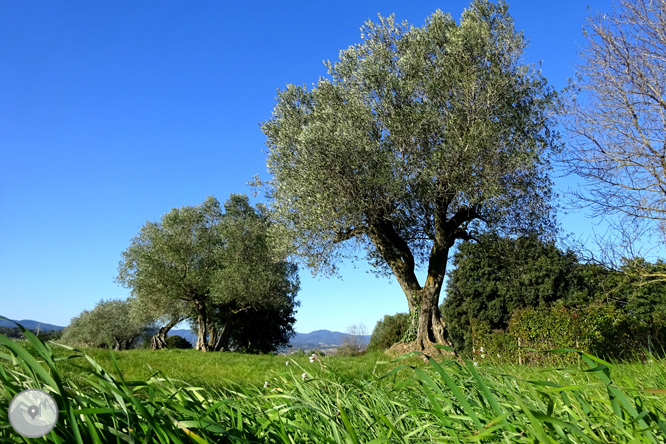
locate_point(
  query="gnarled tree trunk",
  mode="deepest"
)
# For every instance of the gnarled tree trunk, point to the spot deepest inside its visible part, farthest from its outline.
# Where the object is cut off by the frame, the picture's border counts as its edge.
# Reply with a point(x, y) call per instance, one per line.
point(158, 341)
point(394, 249)
point(202, 320)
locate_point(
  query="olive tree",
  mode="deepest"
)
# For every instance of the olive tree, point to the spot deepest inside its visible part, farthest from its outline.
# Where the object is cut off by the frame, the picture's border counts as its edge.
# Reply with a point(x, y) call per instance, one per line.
point(616, 121)
point(170, 265)
point(255, 289)
point(111, 324)
point(419, 137)
point(205, 265)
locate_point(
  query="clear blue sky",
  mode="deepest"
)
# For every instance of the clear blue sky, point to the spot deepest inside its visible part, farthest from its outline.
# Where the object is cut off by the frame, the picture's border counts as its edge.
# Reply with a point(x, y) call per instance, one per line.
point(113, 113)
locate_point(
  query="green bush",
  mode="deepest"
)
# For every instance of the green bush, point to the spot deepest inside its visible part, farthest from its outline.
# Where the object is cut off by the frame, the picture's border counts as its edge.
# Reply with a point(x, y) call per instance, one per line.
point(388, 331)
point(598, 328)
point(180, 342)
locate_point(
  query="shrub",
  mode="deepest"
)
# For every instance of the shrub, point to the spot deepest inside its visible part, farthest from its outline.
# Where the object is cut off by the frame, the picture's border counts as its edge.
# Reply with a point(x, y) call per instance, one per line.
point(388, 331)
point(598, 328)
point(179, 342)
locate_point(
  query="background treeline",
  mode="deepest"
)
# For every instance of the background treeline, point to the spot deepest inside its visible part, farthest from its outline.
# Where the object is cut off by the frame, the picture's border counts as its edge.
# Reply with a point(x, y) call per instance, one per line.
point(506, 293)
point(216, 267)
point(15, 333)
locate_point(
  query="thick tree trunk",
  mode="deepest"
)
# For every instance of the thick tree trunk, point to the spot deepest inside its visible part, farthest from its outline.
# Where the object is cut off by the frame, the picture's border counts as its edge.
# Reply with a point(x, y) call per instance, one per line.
point(202, 320)
point(213, 337)
point(396, 252)
point(431, 328)
point(221, 342)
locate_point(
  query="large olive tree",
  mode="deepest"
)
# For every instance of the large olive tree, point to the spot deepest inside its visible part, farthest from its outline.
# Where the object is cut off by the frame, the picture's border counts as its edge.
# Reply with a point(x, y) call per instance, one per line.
point(419, 137)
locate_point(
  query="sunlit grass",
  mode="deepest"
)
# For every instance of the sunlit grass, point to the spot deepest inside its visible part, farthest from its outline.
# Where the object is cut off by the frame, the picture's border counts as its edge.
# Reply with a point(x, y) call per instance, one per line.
point(339, 400)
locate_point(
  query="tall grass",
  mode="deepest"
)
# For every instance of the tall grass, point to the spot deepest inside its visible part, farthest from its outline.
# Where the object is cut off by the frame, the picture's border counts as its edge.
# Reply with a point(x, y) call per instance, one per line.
point(452, 402)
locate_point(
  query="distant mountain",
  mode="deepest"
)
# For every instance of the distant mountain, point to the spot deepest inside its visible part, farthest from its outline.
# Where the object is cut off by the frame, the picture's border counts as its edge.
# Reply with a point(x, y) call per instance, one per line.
point(323, 339)
point(30, 325)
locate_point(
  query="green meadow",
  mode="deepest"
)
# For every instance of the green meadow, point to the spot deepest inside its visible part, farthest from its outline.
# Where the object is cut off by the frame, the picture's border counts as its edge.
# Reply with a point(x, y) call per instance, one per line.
point(191, 397)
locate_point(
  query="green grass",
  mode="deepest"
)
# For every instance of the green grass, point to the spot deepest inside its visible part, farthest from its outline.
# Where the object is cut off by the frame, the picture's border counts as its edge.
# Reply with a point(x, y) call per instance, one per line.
point(190, 396)
point(215, 370)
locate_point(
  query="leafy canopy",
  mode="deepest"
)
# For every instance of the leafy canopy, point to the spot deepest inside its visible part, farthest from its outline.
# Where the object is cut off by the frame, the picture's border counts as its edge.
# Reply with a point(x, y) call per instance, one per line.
point(497, 276)
point(413, 127)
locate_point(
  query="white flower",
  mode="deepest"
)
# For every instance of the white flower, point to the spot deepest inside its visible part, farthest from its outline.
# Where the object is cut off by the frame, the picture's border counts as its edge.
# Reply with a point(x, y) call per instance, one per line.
point(287, 363)
point(313, 358)
point(476, 364)
point(304, 375)
point(483, 356)
point(266, 384)
point(498, 355)
point(482, 349)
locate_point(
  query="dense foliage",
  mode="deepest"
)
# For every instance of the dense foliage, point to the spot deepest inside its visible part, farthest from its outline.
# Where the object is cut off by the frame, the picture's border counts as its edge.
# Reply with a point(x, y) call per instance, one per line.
point(209, 266)
point(419, 137)
point(388, 331)
point(111, 324)
point(264, 330)
point(178, 342)
point(496, 276)
point(600, 328)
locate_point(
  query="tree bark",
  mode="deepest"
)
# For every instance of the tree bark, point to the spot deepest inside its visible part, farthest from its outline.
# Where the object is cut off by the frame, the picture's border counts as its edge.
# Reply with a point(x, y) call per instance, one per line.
point(431, 328)
point(395, 251)
point(158, 341)
point(202, 320)
point(221, 342)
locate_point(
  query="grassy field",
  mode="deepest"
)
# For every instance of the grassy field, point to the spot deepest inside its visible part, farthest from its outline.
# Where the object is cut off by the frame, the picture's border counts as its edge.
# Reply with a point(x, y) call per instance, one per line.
point(188, 396)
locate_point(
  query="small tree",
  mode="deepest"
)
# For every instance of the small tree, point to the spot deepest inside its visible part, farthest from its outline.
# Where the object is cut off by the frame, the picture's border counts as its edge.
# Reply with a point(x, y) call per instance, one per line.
point(255, 290)
point(205, 265)
point(419, 138)
point(178, 342)
point(354, 341)
point(388, 331)
point(111, 324)
point(170, 265)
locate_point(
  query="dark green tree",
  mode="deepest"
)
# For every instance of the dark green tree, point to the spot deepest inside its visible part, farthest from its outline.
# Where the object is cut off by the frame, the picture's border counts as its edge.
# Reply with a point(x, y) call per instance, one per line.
point(418, 138)
point(255, 291)
point(634, 290)
point(264, 330)
point(178, 342)
point(498, 275)
point(388, 331)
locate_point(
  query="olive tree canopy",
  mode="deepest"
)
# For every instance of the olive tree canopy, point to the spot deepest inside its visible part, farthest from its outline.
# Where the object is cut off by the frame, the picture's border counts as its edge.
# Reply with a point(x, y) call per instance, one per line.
point(206, 265)
point(419, 137)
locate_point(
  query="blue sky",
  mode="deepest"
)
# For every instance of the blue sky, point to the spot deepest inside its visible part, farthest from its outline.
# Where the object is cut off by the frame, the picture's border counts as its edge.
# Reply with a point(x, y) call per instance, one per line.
point(113, 113)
